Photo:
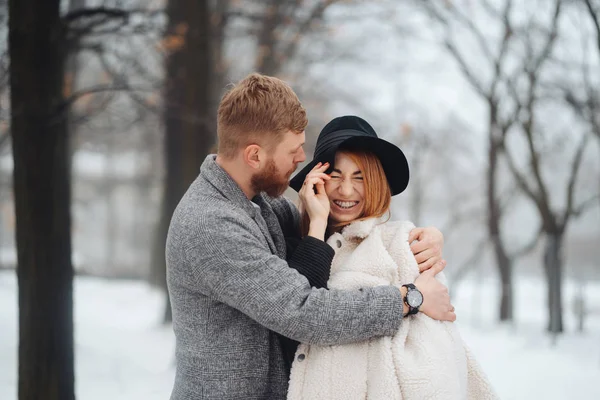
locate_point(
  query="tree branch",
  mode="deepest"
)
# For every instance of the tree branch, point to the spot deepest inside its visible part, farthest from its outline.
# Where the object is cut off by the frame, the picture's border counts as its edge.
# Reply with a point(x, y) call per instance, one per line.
point(451, 47)
point(64, 107)
point(569, 210)
point(468, 23)
point(580, 209)
point(532, 73)
point(595, 21)
point(105, 12)
point(316, 14)
point(522, 182)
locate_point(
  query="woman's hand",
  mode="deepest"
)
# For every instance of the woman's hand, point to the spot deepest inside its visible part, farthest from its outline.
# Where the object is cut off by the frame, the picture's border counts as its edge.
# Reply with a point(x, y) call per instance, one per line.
point(313, 197)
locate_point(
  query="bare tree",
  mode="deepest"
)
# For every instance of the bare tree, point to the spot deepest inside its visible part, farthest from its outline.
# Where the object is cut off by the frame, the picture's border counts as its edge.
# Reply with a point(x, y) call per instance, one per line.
point(530, 178)
point(39, 133)
point(188, 134)
point(584, 96)
point(495, 56)
point(282, 26)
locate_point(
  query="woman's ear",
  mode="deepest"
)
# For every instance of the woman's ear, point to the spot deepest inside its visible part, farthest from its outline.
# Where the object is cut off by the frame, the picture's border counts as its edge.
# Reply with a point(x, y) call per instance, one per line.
point(253, 156)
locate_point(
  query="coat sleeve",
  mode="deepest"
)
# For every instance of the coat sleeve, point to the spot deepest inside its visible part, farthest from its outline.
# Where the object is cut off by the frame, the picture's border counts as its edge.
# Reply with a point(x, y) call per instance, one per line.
point(312, 258)
point(232, 265)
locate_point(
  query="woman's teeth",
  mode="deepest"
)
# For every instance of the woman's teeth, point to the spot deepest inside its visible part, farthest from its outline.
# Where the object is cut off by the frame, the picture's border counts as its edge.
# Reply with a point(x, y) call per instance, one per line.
point(345, 204)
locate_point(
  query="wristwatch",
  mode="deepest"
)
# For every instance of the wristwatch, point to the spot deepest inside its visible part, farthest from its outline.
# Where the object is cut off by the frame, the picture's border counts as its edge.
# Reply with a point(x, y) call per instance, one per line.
point(413, 298)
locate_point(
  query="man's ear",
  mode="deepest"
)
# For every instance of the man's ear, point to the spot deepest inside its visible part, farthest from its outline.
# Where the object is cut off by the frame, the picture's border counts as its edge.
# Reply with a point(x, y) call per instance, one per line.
point(253, 156)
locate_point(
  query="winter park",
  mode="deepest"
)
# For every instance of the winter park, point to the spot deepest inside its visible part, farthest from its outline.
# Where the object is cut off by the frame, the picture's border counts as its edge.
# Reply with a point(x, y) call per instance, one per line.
point(134, 264)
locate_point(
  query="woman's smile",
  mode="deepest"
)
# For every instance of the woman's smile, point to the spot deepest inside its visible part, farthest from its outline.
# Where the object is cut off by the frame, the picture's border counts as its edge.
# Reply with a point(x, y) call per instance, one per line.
point(345, 205)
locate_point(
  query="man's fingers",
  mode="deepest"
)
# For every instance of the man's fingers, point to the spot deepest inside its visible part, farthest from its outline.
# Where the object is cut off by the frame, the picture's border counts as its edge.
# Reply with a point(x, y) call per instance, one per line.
point(424, 266)
point(450, 316)
point(437, 267)
point(425, 255)
point(419, 246)
point(414, 234)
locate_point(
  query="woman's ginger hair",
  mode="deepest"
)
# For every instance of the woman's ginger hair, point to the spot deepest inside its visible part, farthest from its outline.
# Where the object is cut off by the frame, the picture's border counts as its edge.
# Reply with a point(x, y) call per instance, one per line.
point(378, 195)
point(257, 110)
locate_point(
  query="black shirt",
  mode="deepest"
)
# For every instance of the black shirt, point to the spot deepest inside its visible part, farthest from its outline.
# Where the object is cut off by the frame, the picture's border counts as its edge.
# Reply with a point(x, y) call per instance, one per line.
point(312, 258)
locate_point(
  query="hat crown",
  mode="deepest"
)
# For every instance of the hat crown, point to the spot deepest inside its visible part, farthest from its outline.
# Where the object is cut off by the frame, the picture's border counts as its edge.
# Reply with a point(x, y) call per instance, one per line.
point(348, 122)
point(339, 130)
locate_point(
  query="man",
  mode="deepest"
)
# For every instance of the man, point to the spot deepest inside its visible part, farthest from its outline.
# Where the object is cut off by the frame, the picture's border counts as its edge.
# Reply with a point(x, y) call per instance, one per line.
point(232, 291)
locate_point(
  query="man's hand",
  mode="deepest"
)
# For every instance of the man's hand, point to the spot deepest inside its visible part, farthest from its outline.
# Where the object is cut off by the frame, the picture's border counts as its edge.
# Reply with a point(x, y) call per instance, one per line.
point(436, 299)
point(428, 248)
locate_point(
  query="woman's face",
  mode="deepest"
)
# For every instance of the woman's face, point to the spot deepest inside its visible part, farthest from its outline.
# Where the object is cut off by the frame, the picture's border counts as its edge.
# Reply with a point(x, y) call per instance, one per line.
point(345, 190)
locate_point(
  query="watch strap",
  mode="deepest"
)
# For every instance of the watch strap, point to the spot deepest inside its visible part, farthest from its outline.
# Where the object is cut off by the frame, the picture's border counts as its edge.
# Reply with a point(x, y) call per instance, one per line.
point(411, 310)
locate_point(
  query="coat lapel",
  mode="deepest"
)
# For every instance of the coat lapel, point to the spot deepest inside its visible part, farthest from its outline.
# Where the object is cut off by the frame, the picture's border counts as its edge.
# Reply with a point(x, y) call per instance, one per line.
point(273, 232)
point(265, 219)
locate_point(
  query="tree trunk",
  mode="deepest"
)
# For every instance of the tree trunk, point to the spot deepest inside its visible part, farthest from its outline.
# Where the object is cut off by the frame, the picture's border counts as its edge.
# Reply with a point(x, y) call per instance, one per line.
point(553, 268)
point(188, 133)
point(267, 61)
point(72, 63)
point(507, 293)
point(42, 200)
point(503, 262)
point(221, 67)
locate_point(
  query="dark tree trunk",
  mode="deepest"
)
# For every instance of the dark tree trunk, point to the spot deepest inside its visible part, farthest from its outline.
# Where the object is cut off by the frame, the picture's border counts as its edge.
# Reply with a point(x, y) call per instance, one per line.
point(553, 267)
point(42, 200)
point(503, 261)
point(188, 134)
point(219, 27)
point(267, 61)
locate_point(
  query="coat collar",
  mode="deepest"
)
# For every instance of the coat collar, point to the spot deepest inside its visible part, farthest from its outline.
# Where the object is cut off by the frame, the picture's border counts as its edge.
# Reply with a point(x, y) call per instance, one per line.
point(224, 183)
point(360, 229)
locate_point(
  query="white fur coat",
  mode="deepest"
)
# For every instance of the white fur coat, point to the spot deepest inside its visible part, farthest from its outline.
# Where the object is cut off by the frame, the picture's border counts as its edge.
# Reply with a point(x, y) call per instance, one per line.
point(425, 359)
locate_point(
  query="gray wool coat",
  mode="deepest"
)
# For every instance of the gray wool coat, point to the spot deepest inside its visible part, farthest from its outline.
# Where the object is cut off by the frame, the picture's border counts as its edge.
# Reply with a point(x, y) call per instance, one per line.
point(231, 290)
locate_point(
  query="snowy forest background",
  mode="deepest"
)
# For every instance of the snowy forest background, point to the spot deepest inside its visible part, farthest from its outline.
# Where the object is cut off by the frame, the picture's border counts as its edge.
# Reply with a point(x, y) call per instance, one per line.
point(495, 102)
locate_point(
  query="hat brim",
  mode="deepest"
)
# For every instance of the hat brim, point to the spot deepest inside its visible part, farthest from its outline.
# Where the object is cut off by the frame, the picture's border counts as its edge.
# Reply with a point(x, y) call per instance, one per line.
point(393, 161)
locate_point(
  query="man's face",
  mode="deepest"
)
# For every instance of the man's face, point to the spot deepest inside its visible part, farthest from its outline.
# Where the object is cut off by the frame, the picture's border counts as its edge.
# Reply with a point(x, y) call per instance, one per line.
point(274, 177)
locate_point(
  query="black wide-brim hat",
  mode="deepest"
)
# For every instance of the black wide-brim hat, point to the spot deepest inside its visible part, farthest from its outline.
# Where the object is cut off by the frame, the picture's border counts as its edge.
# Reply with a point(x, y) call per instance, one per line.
point(354, 133)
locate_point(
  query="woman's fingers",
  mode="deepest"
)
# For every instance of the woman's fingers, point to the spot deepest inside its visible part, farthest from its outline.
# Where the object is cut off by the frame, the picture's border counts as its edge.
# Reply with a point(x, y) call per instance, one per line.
point(320, 187)
point(320, 167)
point(321, 175)
point(311, 182)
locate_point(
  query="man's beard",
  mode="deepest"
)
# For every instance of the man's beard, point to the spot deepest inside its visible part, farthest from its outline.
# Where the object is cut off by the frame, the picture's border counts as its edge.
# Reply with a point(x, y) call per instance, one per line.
point(270, 180)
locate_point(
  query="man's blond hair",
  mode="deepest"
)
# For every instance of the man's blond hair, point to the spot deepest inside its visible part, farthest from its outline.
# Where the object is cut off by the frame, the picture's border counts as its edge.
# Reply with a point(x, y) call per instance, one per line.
point(258, 110)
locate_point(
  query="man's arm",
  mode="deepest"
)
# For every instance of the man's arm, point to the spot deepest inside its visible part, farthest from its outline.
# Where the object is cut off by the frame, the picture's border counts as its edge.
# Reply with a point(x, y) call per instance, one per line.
point(436, 299)
point(232, 265)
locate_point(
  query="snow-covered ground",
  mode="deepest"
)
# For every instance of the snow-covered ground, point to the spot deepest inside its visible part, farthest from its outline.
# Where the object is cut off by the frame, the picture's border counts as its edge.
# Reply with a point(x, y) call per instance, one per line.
point(123, 353)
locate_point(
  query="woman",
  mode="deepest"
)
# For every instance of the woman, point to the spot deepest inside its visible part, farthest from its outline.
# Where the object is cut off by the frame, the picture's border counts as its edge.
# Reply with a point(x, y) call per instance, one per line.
point(425, 359)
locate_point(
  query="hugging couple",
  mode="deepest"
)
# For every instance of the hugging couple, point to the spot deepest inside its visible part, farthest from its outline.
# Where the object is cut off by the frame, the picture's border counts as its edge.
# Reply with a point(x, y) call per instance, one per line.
point(329, 301)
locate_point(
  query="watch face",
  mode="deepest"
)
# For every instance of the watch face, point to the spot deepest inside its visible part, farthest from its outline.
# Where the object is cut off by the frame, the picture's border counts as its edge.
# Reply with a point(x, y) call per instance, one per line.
point(414, 298)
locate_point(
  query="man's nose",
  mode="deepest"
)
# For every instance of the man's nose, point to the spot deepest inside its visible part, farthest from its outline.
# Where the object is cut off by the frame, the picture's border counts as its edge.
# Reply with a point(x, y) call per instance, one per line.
point(302, 156)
